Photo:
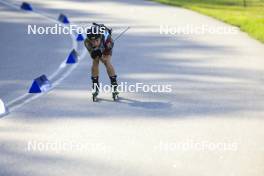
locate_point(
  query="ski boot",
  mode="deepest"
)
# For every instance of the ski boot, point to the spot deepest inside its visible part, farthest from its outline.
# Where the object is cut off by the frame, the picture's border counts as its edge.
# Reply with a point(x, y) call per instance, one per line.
point(115, 93)
point(95, 94)
point(114, 87)
point(95, 88)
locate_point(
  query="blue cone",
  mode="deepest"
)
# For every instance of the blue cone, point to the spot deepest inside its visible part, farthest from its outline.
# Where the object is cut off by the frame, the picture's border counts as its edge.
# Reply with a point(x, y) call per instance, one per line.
point(63, 18)
point(40, 84)
point(73, 57)
point(26, 6)
point(80, 37)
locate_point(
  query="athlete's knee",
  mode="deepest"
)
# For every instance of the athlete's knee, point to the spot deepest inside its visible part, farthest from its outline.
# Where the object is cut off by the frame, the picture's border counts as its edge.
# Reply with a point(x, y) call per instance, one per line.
point(106, 58)
point(104, 61)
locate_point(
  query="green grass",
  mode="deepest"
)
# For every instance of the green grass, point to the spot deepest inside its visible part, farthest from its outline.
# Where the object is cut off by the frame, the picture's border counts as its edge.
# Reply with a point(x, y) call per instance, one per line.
point(249, 18)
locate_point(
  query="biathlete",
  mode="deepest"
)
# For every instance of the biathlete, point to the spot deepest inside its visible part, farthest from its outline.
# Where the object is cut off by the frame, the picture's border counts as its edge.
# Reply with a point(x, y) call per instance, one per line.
point(99, 44)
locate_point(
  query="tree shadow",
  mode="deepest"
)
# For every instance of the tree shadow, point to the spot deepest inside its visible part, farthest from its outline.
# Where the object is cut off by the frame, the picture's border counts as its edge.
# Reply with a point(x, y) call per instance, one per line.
point(200, 86)
point(197, 88)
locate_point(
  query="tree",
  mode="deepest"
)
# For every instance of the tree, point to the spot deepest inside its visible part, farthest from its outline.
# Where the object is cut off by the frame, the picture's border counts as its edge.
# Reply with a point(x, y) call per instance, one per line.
point(245, 3)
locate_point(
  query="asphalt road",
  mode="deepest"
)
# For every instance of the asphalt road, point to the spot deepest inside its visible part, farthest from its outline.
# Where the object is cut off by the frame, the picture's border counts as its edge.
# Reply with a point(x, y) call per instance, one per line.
point(210, 124)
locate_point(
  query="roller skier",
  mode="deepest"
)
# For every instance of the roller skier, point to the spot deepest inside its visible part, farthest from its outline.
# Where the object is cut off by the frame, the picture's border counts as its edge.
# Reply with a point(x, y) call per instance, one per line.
point(99, 44)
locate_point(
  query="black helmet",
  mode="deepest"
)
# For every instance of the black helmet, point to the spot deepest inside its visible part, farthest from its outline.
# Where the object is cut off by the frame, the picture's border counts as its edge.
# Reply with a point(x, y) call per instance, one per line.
point(94, 33)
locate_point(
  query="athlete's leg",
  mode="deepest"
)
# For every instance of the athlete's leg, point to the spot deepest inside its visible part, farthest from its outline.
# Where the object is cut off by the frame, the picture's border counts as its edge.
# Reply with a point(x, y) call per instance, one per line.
point(95, 67)
point(106, 59)
point(95, 75)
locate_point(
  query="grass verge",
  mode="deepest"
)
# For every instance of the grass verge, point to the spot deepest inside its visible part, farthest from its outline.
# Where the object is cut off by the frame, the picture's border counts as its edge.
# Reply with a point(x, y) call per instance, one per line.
point(248, 15)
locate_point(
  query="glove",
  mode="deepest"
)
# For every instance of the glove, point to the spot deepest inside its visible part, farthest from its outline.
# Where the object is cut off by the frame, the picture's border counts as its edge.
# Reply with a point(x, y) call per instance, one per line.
point(96, 53)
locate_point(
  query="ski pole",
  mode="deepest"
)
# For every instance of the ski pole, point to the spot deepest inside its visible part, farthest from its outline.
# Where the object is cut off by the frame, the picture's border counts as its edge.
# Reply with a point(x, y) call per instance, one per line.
point(119, 35)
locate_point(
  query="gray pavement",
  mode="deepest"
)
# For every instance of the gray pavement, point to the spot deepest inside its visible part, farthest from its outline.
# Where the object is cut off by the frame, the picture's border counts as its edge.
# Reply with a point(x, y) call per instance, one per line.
point(210, 124)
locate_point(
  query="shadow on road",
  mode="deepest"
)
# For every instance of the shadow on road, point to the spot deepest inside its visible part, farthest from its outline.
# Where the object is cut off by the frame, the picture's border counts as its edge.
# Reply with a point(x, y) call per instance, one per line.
point(199, 85)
